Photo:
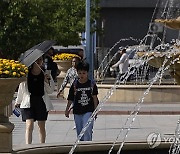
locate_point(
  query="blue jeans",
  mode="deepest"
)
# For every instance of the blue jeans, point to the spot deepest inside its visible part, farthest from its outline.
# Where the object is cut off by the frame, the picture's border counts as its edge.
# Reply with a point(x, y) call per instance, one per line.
point(80, 121)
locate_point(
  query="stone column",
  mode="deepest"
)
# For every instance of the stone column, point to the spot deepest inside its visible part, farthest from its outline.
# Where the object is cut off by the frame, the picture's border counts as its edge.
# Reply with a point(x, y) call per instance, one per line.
point(8, 86)
point(6, 129)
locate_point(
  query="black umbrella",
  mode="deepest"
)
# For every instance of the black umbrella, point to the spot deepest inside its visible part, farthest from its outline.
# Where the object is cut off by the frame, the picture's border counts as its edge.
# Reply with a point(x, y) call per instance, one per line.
point(31, 55)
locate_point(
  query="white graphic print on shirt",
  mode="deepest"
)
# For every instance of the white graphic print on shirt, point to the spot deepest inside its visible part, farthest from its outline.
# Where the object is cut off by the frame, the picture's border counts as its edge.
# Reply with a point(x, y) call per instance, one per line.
point(84, 99)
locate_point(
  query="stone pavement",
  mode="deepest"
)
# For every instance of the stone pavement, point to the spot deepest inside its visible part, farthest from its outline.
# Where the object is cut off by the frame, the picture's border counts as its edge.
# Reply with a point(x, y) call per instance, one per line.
point(152, 118)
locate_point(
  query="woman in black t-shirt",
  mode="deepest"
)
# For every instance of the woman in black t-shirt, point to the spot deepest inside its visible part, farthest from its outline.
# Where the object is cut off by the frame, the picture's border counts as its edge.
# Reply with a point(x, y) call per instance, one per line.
point(36, 108)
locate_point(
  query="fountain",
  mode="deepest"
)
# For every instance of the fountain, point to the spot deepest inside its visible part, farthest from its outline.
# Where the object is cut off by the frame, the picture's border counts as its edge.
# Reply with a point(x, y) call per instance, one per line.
point(166, 60)
point(163, 61)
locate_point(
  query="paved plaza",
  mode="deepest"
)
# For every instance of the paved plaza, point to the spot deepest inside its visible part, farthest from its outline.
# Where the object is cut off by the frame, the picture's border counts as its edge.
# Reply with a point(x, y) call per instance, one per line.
point(152, 118)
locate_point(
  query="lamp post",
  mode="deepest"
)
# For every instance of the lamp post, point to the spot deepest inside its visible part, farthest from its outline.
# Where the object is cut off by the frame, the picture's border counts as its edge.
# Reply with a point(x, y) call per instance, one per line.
point(88, 51)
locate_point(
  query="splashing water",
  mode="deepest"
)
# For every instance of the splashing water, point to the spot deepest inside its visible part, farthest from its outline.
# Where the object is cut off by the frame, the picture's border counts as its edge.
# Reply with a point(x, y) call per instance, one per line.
point(175, 147)
point(134, 113)
point(110, 92)
point(133, 49)
point(106, 56)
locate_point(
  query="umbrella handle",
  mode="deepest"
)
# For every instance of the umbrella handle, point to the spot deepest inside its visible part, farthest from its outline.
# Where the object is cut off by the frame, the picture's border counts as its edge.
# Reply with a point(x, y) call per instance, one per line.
point(44, 73)
point(40, 67)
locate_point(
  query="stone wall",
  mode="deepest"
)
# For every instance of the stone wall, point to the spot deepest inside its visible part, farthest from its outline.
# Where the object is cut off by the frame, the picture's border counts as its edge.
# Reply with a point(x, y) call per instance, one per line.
point(132, 93)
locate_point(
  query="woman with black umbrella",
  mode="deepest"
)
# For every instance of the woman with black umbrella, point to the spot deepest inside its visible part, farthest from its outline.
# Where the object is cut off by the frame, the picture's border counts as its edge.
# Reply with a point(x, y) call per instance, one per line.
point(34, 101)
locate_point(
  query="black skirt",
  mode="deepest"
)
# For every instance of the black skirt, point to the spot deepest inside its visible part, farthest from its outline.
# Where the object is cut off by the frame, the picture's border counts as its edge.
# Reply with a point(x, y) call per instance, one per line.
point(37, 110)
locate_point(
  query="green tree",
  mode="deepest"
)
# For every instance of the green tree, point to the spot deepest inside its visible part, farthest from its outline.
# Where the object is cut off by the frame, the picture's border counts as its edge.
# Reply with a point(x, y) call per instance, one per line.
point(24, 23)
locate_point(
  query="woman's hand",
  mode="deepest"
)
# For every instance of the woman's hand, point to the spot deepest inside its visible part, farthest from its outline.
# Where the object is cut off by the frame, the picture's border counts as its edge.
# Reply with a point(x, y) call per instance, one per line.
point(17, 105)
point(47, 78)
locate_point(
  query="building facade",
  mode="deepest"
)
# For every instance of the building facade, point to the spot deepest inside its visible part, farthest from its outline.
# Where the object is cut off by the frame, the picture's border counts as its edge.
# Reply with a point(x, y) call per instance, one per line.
point(122, 19)
point(127, 18)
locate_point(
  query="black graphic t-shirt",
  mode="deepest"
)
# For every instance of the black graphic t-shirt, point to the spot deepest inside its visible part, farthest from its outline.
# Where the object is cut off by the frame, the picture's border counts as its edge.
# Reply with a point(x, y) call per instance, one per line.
point(81, 95)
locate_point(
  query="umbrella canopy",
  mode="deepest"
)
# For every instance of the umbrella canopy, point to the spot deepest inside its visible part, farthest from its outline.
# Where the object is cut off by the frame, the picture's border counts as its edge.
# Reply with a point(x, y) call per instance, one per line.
point(31, 55)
